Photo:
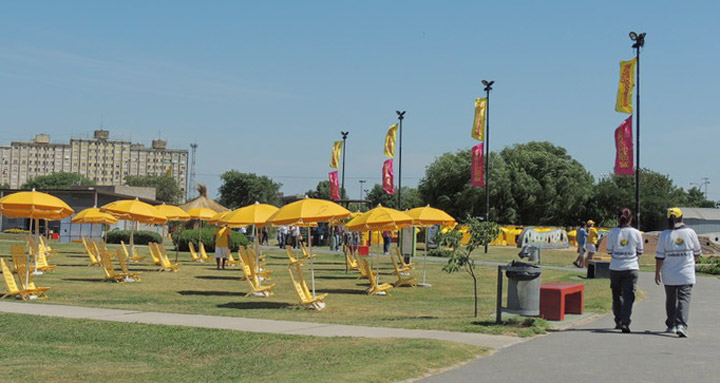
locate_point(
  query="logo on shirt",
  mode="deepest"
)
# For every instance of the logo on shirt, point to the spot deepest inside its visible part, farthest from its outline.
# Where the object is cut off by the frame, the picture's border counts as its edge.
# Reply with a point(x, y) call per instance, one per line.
point(679, 241)
point(623, 242)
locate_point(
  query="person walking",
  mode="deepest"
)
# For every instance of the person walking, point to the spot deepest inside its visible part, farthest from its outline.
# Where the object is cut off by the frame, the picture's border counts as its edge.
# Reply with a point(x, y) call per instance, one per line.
point(677, 249)
point(581, 238)
point(222, 244)
point(387, 239)
point(625, 245)
point(592, 240)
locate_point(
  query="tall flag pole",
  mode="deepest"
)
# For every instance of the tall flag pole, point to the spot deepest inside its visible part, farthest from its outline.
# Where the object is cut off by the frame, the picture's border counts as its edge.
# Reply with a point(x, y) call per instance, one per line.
point(401, 116)
point(342, 187)
point(488, 88)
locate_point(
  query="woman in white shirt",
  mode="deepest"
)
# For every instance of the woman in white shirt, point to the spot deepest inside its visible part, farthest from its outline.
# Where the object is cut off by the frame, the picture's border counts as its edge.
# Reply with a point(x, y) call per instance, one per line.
point(677, 249)
point(624, 244)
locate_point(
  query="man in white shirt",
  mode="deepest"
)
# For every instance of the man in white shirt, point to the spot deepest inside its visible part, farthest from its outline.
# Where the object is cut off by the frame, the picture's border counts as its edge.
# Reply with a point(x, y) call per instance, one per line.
point(624, 244)
point(677, 249)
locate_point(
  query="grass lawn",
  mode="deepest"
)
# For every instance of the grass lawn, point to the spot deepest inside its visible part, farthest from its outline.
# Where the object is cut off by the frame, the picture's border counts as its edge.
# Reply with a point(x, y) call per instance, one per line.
point(201, 289)
point(42, 349)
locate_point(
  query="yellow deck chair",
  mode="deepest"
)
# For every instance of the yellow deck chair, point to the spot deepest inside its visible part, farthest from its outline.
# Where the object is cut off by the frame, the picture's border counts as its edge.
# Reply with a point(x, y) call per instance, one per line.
point(103, 245)
point(194, 254)
point(306, 298)
point(133, 276)
point(374, 288)
point(305, 251)
point(12, 288)
point(19, 258)
point(361, 269)
point(254, 282)
point(134, 257)
point(352, 262)
point(154, 255)
point(231, 261)
point(165, 264)
point(109, 270)
point(203, 253)
point(291, 256)
point(94, 261)
point(42, 263)
point(49, 250)
point(402, 259)
point(39, 292)
point(257, 267)
point(402, 273)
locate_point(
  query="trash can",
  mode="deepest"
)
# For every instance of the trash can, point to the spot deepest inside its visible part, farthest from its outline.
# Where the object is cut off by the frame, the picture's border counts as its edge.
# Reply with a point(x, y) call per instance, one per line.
point(532, 253)
point(523, 288)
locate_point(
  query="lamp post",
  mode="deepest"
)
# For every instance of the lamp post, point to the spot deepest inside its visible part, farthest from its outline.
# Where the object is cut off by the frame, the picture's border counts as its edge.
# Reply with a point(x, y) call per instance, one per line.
point(401, 116)
point(639, 41)
point(362, 185)
point(488, 88)
point(342, 185)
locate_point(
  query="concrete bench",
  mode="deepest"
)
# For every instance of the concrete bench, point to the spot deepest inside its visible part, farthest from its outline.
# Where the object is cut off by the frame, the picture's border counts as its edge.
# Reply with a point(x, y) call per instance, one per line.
point(598, 268)
point(558, 299)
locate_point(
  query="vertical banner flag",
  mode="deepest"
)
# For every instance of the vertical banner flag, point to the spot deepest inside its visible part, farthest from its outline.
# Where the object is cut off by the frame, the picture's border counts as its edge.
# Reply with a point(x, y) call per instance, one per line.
point(478, 129)
point(390, 141)
point(625, 88)
point(388, 177)
point(335, 159)
point(624, 163)
point(476, 166)
point(334, 185)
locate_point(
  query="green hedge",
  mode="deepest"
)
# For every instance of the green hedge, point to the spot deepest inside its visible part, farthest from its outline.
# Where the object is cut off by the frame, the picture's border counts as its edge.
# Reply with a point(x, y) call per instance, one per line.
point(205, 235)
point(140, 237)
point(708, 265)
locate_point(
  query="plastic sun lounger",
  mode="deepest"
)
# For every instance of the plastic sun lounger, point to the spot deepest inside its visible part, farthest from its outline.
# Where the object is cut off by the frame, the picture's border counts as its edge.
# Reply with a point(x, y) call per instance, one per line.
point(94, 261)
point(165, 264)
point(255, 288)
point(12, 288)
point(132, 276)
point(402, 273)
point(109, 270)
point(194, 254)
point(374, 288)
point(291, 256)
point(203, 253)
point(352, 262)
point(306, 298)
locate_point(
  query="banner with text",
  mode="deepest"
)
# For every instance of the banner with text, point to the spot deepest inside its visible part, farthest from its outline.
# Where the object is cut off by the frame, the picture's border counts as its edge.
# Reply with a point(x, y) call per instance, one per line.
point(625, 88)
point(624, 163)
point(388, 177)
point(478, 129)
point(390, 141)
point(334, 185)
point(336, 150)
point(476, 166)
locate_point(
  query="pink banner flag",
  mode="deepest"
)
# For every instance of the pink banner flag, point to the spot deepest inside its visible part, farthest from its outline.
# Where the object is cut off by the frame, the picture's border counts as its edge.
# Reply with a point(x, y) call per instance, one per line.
point(624, 163)
point(388, 177)
point(334, 185)
point(476, 166)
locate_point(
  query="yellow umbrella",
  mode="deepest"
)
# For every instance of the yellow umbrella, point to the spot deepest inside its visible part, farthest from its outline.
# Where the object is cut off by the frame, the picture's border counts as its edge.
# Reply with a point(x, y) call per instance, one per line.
point(306, 212)
point(93, 216)
point(134, 210)
point(218, 217)
point(34, 205)
point(201, 213)
point(173, 213)
point(426, 217)
point(379, 218)
point(256, 214)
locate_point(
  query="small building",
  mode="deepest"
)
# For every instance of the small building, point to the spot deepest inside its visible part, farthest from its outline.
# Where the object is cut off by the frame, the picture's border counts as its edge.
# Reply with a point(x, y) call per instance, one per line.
point(702, 220)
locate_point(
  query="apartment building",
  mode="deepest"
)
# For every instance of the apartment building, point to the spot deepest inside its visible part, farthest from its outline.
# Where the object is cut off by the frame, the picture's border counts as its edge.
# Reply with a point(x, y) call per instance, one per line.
point(101, 159)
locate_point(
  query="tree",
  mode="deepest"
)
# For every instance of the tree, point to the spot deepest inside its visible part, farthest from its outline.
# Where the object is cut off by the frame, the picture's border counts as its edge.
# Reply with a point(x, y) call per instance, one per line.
point(242, 189)
point(5, 186)
point(481, 234)
point(58, 180)
point(410, 198)
point(166, 188)
point(322, 191)
point(696, 198)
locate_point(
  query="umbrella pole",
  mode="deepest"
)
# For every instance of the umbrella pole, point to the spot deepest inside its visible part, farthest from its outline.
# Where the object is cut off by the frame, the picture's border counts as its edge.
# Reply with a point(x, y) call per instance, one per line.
point(257, 254)
point(27, 258)
point(312, 264)
point(132, 236)
point(424, 284)
point(37, 247)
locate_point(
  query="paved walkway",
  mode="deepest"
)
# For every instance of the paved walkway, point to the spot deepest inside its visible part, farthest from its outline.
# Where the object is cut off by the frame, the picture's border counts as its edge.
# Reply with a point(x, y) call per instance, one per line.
point(254, 325)
point(594, 352)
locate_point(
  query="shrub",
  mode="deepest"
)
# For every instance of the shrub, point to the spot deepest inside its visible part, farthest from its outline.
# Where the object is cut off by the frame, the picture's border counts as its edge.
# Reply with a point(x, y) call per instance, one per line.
point(205, 235)
point(140, 237)
point(442, 253)
point(709, 265)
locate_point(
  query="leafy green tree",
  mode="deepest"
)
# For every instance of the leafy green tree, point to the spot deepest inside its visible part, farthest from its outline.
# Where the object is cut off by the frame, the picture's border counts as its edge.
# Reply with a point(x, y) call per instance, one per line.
point(166, 188)
point(696, 198)
point(481, 234)
point(410, 198)
point(322, 191)
point(5, 186)
point(242, 189)
point(58, 180)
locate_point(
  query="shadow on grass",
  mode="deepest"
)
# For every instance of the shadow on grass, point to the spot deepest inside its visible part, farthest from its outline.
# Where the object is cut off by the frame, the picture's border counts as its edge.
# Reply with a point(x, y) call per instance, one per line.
point(211, 293)
point(255, 305)
point(63, 265)
point(218, 278)
point(336, 277)
point(344, 291)
point(83, 279)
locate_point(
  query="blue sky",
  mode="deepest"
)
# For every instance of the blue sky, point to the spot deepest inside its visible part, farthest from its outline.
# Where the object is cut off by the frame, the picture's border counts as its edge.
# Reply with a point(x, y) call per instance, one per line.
point(266, 87)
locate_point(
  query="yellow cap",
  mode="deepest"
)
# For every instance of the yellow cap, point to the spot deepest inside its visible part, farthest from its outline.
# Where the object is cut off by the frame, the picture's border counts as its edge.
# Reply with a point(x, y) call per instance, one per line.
point(590, 222)
point(674, 212)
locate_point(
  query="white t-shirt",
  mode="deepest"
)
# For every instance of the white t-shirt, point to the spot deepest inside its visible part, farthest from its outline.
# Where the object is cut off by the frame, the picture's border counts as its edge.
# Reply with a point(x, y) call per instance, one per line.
point(678, 249)
point(624, 244)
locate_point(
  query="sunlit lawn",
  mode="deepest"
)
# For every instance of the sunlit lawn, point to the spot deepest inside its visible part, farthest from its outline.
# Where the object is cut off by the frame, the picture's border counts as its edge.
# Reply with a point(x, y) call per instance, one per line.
point(201, 289)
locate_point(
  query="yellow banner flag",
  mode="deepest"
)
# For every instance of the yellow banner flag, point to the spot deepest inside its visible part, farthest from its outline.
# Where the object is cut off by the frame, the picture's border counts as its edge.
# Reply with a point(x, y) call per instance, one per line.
point(390, 141)
point(335, 159)
point(478, 129)
point(625, 89)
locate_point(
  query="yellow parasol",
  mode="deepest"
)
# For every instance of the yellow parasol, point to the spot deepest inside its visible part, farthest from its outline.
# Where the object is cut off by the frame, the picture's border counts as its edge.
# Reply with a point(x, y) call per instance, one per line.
point(306, 212)
point(34, 205)
point(93, 216)
point(134, 210)
point(427, 217)
point(173, 213)
point(201, 213)
point(217, 217)
point(256, 214)
point(379, 218)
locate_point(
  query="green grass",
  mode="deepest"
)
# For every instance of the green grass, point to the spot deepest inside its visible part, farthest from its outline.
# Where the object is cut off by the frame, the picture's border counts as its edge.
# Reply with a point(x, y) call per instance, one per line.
point(46, 349)
point(201, 289)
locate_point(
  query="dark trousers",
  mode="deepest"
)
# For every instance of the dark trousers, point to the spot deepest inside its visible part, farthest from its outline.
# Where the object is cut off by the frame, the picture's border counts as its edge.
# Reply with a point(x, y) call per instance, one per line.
point(623, 285)
point(677, 305)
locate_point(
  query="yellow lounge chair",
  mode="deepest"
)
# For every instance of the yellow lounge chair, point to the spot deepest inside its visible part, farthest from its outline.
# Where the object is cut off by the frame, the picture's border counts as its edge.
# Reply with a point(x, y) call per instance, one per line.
point(351, 261)
point(305, 251)
point(135, 276)
point(231, 261)
point(153, 254)
point(165, 264)
point(48, 249)
point(291, 256)
point(203, 253)
point(402, 259)
point(12, 288)
point(41, 263)
point(255, 288)
point(109, 270)
point(19, 259)
point(306, 298)
point(94, 261)
point(134, 257)
point(258, 268)
point(402, 273)
point(194, 254)
point(374, 288)
point(39, 292)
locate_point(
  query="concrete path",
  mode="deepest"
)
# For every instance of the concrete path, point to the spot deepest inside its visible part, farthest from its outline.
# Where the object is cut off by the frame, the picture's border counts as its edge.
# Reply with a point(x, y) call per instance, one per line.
point(594, 352)
point(254, 325)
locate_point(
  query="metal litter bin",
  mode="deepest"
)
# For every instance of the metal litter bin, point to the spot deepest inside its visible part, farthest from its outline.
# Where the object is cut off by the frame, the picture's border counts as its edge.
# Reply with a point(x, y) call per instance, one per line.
point(523, 288)
point(532, 253)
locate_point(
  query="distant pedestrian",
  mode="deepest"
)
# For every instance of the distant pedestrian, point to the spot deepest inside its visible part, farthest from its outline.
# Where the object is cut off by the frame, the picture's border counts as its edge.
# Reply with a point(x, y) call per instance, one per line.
point(592, 240)
point(581, 238)
point(625, 245)
point(282, 233)
point(387, 239)
point(222, 245)
point(677, 249)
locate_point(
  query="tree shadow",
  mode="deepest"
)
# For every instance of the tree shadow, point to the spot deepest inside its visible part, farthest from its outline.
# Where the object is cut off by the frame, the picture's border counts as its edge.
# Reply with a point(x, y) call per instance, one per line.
point(218, 278)
point(255, 305)
point(211, 293)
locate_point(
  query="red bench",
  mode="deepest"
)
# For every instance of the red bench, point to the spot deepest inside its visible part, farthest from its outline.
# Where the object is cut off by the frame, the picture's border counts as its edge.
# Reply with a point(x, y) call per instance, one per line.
point(558, 299)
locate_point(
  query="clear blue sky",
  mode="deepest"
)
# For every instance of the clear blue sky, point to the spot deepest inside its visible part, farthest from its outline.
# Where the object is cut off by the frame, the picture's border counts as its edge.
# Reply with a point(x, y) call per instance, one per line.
point(266, 87)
